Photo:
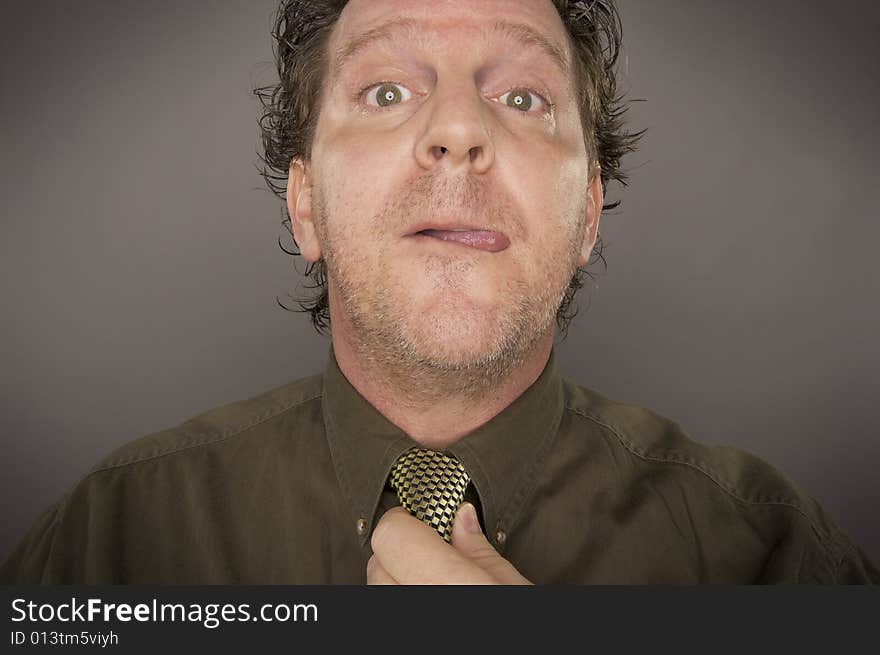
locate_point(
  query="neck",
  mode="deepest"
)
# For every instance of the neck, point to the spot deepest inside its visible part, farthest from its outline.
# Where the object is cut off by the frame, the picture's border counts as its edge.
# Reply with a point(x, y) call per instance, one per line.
point(437, 420)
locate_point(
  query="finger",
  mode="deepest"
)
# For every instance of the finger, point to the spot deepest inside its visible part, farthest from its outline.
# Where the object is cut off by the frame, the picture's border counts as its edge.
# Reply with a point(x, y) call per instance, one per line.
point(468, 539)
point(377, 575)
point(412, 552)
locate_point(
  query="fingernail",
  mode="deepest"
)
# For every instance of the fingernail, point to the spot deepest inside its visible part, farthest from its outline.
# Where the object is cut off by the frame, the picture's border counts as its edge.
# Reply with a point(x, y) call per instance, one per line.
point(469, 518)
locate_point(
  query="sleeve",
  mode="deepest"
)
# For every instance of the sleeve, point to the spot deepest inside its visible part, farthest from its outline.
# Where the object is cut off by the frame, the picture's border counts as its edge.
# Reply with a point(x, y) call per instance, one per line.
point(81, 539)
point(856, 568)
point(812, 549)
point(29, 561)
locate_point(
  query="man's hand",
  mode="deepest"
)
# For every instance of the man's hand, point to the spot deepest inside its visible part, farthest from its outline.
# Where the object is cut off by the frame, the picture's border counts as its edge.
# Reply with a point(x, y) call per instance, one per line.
point(407, 551)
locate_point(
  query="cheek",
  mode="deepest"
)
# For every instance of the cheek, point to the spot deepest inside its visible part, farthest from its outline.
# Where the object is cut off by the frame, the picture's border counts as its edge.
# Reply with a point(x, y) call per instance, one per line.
point(358, 176)
point(556, 232)
point(571, 189)
point(555, 207)
point(362, 154)
point(347, 203)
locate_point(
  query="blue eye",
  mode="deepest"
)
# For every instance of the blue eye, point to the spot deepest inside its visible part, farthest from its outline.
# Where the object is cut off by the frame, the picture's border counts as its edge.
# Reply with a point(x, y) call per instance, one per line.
point(385, 94)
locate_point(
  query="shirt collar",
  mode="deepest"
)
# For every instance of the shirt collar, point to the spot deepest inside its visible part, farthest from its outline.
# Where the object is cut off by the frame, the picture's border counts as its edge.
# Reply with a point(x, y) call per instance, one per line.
point(503, 456)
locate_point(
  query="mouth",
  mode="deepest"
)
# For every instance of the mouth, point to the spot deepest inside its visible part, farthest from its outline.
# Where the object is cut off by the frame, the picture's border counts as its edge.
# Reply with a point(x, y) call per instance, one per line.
point(468, 236)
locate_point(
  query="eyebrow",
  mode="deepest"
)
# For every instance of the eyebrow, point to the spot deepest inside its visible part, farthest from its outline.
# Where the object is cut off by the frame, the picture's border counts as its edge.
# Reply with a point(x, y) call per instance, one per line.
point(520, 32)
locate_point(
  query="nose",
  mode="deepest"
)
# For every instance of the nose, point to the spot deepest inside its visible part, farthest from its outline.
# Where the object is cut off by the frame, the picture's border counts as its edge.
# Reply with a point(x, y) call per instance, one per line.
point(457, 134)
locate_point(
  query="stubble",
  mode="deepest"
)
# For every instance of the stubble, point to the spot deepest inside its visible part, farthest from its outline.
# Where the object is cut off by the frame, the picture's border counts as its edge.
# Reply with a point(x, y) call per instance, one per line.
point(411, 355)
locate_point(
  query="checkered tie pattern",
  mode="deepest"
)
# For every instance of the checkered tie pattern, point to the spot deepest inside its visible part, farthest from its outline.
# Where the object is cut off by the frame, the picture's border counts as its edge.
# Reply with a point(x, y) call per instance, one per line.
point(430, 484)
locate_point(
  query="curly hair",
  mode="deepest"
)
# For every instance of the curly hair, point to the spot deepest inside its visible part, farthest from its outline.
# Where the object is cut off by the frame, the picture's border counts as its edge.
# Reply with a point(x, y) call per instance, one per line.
point(290, 112)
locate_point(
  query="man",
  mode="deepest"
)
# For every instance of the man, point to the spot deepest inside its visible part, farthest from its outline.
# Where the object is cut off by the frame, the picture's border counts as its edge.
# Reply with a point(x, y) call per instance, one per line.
point(444, 166)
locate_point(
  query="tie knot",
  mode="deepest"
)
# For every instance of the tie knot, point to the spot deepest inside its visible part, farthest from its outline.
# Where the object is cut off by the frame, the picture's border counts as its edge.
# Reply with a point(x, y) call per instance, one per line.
point(430, 485)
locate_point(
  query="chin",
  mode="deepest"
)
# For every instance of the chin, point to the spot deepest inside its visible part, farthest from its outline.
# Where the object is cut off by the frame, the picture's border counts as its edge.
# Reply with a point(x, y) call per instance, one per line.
point(456, 340)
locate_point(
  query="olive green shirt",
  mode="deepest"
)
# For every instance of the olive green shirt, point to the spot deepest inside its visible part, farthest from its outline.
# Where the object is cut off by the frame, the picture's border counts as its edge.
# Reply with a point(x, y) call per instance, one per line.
point(286, 488)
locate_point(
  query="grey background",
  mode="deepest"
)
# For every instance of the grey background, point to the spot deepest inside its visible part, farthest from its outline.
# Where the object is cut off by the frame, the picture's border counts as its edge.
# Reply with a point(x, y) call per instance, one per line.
point(140, 267)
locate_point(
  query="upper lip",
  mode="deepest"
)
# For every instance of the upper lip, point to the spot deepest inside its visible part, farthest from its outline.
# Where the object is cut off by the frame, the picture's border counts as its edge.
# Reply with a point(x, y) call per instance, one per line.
point(450, 224)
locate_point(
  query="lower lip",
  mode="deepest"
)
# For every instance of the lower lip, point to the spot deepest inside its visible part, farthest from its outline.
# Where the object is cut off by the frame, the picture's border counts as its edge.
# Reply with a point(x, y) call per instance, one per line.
point(475, 239)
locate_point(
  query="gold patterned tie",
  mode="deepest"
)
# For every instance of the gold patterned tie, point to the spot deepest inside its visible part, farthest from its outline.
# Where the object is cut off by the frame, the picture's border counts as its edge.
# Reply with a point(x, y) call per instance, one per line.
point(431, 485)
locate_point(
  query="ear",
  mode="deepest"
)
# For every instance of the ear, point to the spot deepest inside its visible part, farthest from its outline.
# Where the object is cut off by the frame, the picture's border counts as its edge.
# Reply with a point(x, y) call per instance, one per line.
point(299, 205)
point(595, 198)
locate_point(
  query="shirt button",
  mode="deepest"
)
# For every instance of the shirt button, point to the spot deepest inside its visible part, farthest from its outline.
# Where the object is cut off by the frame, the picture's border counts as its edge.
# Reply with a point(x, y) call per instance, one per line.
point(500, 537)
point(362, 526)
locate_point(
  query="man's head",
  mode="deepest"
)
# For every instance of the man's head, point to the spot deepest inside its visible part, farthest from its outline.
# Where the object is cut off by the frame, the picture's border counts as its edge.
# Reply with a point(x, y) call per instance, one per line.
point(393, 115)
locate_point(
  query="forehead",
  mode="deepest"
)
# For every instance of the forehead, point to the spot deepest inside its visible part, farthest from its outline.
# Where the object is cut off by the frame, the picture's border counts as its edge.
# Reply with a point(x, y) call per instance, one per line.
point(367, 22)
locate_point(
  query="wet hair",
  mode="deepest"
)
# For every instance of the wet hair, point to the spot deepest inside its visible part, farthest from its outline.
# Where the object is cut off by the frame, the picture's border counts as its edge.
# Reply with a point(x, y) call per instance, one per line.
point(290, 113)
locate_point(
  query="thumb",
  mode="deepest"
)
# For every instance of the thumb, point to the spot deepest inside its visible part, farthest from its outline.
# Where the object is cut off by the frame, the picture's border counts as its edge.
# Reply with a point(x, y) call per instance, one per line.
point(469, 540)
point(467, 537)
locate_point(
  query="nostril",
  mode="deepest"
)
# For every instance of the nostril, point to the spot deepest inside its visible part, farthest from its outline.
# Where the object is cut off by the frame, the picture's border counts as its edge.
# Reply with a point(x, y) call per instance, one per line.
point(442, 150)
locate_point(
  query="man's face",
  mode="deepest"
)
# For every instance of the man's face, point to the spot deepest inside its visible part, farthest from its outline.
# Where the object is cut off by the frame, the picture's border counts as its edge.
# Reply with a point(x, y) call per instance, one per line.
point(445, 122)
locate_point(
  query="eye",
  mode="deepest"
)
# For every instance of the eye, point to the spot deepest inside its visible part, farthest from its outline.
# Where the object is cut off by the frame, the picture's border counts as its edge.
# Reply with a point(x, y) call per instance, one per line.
point(523, 99)
point(385, 94)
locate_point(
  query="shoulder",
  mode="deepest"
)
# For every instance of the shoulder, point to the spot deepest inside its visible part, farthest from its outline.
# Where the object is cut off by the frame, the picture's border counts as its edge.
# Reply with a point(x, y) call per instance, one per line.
point(159, 492)
point(740, 481)
point(237, 421)
point(657, 440)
